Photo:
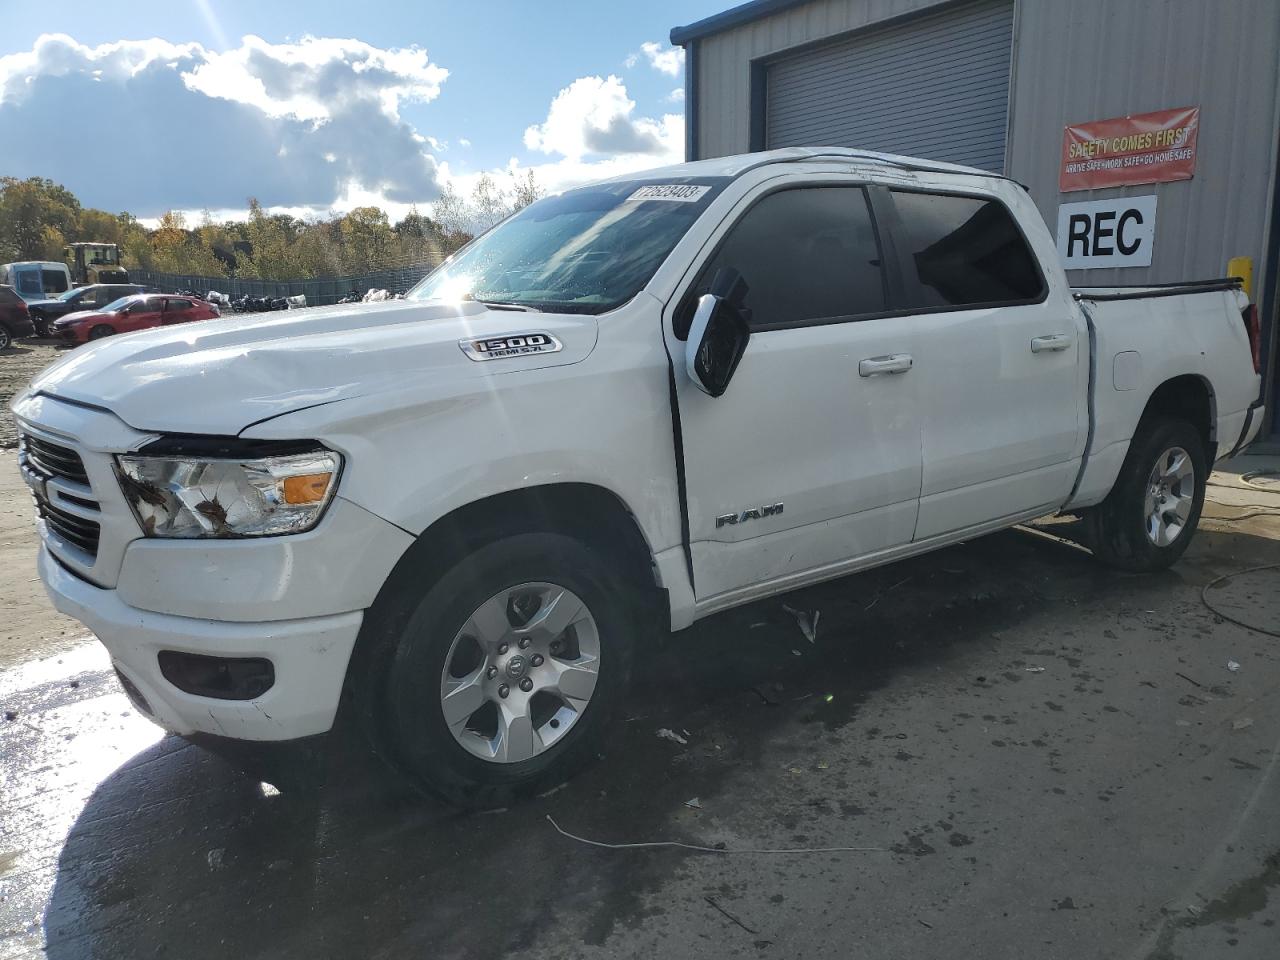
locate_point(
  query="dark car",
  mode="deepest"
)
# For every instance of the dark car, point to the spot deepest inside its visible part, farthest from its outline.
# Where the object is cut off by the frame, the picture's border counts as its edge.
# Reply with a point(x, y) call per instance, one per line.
point(93, 297)
point(133, 313)
point(14, 318)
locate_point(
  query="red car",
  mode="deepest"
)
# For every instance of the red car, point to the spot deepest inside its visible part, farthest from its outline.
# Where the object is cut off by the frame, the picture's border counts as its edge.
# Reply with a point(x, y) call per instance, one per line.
point(137, 312)
point(14, 319)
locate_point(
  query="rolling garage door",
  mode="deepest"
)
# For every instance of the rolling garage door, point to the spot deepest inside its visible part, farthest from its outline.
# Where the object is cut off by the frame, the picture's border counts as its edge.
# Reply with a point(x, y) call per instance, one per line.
point(935, 86)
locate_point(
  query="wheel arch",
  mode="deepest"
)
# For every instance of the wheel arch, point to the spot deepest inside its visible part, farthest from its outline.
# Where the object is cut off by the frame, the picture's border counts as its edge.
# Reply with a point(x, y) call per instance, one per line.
point(586, 511)
point(1189, 397)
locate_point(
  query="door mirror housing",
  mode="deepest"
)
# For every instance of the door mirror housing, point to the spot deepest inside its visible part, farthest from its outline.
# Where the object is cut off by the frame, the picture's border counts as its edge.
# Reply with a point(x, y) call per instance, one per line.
point(718, 334)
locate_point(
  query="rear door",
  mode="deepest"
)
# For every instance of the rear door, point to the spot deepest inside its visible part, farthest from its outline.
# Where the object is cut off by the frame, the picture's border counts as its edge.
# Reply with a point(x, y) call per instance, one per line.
point(805, 462)
point(1003, 369)
point(176, 310)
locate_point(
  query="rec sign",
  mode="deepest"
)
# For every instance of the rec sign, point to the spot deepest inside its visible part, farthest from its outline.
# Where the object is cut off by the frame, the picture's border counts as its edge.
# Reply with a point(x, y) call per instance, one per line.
point(1119, 232)
point(1140, 148)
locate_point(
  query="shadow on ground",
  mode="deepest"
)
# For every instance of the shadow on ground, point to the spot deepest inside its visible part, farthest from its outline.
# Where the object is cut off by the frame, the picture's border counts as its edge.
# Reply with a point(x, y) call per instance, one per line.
point(178, 854)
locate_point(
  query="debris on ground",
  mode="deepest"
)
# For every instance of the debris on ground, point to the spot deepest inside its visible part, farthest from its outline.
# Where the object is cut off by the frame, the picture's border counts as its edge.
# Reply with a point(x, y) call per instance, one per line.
point(215, 858)
point(829, 697)
point(11, 714)
point(1034, 669)
point(693, 803)
point(1233, 666)
point(806, 620)
point(666, 734)
point(768, 692)
point(1188, 679)
point(730, 916)
point(1242, 724)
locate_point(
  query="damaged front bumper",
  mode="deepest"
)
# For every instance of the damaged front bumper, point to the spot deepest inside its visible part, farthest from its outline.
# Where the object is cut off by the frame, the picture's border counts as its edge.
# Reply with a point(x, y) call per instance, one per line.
point(308, 656)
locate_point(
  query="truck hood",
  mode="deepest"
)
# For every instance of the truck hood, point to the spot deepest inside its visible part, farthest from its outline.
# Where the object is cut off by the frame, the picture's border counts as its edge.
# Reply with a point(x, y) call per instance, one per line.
point(220, 376)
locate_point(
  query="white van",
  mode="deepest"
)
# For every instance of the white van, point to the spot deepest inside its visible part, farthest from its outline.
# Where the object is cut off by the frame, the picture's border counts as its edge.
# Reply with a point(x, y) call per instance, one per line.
point(36, 279)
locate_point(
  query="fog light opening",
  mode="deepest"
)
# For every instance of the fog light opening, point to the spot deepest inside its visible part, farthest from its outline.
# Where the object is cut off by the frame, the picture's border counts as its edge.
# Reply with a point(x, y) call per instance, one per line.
point(220, 678)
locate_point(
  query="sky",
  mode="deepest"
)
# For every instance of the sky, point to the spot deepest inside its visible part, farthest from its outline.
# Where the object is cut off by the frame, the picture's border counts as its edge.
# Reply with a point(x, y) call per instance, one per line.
point(321, 106)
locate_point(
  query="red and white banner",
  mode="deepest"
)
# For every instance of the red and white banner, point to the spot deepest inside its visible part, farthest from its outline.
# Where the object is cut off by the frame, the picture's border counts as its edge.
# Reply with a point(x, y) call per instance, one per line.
point(1141, 148)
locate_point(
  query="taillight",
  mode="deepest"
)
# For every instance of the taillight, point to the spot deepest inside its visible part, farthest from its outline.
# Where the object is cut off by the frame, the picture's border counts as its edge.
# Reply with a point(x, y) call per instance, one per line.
point(1254, 328)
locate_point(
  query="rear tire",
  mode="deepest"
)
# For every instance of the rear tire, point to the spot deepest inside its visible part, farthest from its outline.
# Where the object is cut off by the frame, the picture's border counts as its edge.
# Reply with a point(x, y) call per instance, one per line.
point(1148, 519)
point(100, 331)
point(554, 716)
point(6, 340)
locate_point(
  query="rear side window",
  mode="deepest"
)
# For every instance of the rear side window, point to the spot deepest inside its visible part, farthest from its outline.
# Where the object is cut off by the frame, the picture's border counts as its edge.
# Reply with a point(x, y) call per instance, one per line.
point(962, 251)
point(179, 305)
point(8, 297)
point(808, 255)
point(55, 281)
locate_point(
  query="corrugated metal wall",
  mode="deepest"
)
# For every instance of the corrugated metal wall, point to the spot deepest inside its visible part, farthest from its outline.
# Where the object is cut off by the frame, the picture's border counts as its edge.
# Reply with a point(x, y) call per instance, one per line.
point(936, 86)
point(1093, 59)
point(1078, 60)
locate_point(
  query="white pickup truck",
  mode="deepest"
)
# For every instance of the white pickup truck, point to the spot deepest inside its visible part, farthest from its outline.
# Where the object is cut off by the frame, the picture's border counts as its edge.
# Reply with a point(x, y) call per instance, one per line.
point(629, 405)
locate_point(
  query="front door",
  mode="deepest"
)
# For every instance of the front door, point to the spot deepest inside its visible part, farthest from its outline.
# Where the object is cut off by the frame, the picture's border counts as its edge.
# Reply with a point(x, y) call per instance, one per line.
point(812, 456)
point(1003, 369)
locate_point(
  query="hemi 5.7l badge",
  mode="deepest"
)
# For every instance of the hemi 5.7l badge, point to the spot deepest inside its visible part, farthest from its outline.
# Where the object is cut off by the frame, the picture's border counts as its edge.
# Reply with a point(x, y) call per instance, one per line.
point(512, 345)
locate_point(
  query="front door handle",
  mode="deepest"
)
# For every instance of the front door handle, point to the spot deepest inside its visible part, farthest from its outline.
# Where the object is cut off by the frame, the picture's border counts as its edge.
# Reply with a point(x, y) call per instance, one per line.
point(1051, 343)
point(875, 366)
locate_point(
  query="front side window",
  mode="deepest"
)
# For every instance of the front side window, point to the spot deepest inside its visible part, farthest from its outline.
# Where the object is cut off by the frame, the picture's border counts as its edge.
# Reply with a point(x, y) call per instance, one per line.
point(583, 251)
point(962, 251)
point(807, 254)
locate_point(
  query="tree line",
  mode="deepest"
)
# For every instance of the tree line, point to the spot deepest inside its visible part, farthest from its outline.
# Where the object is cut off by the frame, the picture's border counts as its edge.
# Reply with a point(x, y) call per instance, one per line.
point(38, 218)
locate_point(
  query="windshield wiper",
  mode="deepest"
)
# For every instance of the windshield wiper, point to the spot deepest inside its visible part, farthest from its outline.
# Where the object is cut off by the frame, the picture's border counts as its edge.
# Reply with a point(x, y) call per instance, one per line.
point(503, 304)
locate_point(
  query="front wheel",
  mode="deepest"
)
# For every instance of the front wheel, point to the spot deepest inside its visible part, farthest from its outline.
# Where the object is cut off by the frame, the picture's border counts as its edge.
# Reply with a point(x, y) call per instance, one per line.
point(6, 339)
point(1149, 517)
point(100, 331)
point(505, 675)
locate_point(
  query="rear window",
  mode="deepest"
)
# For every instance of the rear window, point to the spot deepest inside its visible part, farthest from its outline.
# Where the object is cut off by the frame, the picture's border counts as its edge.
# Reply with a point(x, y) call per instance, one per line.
point(55, 281)
point(962, 251)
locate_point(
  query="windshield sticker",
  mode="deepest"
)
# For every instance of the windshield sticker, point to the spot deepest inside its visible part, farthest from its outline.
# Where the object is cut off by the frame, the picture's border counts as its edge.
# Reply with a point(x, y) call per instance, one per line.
point(678, 192)
point(513, 345)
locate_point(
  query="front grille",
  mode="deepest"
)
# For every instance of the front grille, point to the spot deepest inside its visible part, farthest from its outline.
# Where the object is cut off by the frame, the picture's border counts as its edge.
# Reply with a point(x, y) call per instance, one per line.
point(54, 460)
point(75, 530)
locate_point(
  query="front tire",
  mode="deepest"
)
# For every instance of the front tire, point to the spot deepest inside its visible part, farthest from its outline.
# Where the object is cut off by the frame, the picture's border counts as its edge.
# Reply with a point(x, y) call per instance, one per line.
point(6, 340)
point(503, 680)
point(1148, 519)
point(100, 331)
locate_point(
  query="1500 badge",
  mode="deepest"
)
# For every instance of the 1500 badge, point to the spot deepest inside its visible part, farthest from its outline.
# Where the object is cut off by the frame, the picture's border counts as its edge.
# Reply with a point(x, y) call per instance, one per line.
point(511, 345)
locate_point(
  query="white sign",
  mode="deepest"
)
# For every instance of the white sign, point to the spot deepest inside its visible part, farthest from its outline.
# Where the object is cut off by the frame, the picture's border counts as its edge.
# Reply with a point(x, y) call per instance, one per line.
point(1119, 232)
point(679, 192)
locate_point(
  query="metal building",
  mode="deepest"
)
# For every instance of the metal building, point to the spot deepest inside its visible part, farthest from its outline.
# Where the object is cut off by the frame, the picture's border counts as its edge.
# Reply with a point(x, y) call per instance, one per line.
point(996, 84)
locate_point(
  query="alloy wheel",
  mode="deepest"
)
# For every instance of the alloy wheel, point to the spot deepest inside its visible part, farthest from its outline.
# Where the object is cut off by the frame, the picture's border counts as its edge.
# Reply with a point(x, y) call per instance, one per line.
point(520, 672)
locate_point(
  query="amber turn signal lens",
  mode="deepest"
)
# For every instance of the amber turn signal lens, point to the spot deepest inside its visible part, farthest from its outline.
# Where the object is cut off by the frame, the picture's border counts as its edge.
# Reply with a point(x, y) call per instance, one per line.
point(308, 488)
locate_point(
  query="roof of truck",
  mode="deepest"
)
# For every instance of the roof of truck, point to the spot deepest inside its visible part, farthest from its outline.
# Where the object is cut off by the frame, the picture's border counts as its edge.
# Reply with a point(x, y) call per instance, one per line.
point(739, 164)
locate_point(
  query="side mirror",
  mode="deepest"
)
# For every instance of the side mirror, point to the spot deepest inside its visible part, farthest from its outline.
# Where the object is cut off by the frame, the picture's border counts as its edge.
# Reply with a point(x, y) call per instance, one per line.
point(718, 334)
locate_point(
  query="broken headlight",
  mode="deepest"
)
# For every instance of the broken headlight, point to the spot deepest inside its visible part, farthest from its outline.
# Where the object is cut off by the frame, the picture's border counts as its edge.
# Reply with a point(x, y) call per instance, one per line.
point(195, 497)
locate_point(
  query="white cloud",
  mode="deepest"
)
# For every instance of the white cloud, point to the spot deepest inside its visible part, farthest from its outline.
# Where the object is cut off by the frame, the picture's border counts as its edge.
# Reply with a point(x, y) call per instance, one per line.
point(328, 107)
point(464, 142)
point(593, 116)
point(676, 95)
point(663, 58)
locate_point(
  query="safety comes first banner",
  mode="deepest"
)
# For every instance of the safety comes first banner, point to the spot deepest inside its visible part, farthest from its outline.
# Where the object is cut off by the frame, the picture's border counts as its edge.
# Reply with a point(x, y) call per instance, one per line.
point(1141, 148)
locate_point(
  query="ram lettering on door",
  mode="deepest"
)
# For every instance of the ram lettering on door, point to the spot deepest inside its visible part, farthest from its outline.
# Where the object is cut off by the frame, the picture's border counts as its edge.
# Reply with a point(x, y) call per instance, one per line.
point(1118, 232)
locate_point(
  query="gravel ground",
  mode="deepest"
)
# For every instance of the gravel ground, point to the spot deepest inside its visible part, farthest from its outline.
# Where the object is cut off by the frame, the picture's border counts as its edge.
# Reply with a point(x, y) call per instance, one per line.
point(18, 365)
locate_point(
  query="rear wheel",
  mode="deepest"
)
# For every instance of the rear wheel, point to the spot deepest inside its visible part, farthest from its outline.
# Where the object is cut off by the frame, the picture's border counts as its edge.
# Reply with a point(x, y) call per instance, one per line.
point(6, 339)
point(100, 331)
point(1149, 517)
point(504, 676)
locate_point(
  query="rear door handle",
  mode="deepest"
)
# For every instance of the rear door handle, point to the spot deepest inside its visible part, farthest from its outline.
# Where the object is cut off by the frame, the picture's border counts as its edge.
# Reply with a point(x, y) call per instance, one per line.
point(1051, 343)
point(875, 366)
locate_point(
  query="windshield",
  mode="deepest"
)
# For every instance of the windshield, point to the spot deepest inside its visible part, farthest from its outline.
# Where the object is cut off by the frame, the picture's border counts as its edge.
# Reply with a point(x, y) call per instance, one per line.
point(585, 251)
point(115, 305)
point(70, 295)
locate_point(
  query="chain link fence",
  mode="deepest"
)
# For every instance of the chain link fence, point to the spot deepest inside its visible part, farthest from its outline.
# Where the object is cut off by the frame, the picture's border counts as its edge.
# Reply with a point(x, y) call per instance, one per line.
point(318, 292)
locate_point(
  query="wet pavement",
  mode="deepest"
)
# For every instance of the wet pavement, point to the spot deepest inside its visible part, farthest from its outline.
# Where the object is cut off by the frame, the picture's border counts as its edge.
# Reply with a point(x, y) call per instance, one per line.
point(1054, 760)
